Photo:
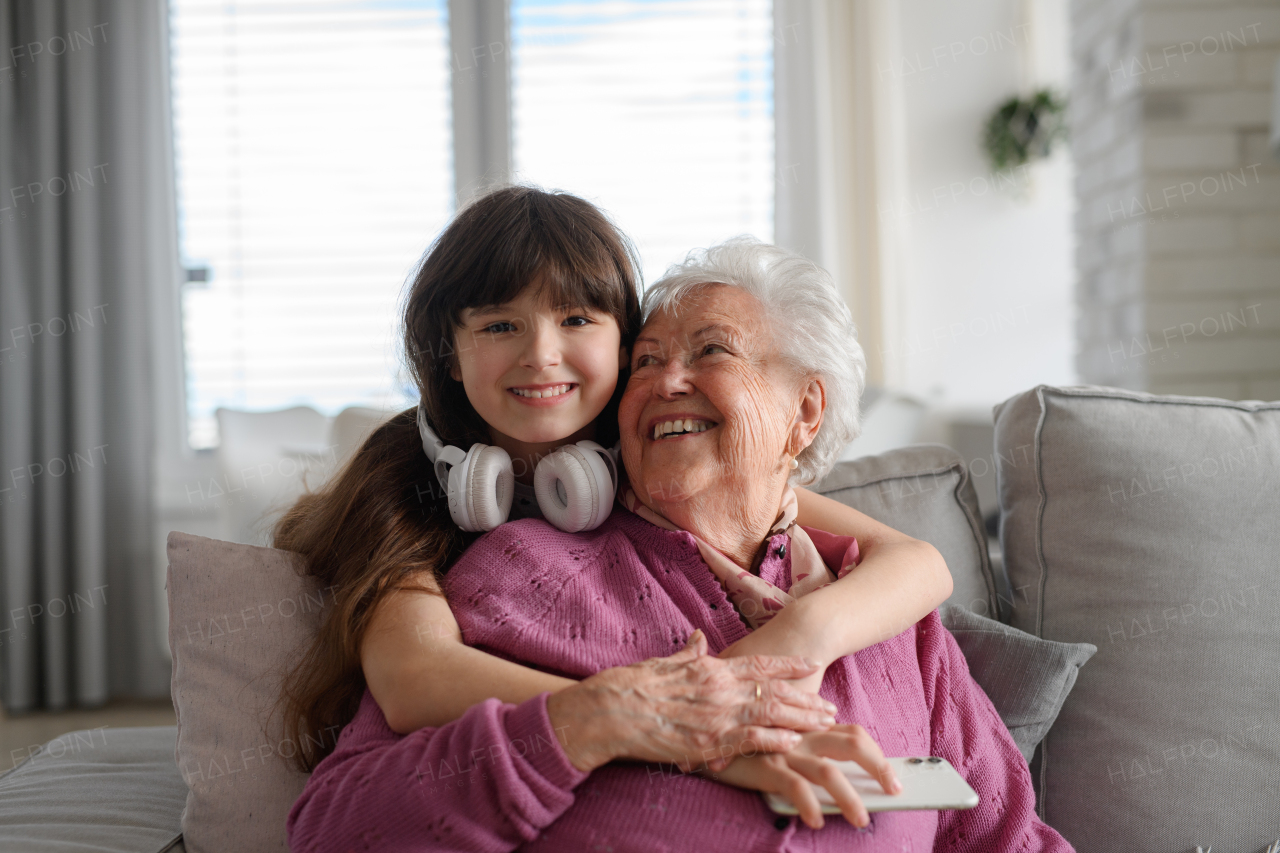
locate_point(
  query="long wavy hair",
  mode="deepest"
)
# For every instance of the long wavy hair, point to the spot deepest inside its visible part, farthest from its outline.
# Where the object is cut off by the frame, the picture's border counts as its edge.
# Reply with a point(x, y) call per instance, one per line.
point(381, 523)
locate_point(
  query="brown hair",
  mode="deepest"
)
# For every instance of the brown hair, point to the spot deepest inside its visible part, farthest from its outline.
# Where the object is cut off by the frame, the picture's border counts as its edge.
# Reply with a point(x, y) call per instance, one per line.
point(381, 524)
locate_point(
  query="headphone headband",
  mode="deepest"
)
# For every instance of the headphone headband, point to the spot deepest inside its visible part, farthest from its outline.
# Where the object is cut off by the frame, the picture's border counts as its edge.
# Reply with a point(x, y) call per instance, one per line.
point(431, 443)
point(442, 455)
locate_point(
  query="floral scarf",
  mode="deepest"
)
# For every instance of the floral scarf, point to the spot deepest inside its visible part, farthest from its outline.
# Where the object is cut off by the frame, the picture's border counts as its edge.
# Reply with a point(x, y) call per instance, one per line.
point(755, 598)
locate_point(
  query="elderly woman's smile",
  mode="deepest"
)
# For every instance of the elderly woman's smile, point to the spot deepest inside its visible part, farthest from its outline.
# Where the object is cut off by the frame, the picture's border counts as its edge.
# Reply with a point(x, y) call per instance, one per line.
point(712, 416)
point(683, 425)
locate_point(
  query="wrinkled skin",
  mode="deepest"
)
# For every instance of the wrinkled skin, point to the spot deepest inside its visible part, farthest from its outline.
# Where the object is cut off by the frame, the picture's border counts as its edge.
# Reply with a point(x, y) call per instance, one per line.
point(690, 709)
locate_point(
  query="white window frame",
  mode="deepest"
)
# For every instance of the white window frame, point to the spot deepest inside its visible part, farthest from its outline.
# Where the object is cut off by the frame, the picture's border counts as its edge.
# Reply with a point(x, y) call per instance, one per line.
point(480, 39)
point(839, 157)
point(480, 44)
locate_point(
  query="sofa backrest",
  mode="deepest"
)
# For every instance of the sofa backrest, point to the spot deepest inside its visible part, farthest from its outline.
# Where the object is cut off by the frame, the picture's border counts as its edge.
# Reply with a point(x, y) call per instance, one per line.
point(924, 491)
point(1150, 526)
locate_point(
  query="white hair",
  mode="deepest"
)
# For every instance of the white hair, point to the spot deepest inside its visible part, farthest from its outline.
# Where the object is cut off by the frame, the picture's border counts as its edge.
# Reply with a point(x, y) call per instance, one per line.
point(810, 322)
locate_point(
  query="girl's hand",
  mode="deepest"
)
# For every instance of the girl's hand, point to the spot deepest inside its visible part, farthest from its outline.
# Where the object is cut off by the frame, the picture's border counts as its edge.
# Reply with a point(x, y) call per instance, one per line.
point(789, 774)
point(689, 709)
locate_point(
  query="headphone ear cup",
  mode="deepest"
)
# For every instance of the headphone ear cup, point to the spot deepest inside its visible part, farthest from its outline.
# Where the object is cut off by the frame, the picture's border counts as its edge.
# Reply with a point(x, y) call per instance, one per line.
point(574, 487)
point(458, 495)
point(609, 459)
point(483, 485)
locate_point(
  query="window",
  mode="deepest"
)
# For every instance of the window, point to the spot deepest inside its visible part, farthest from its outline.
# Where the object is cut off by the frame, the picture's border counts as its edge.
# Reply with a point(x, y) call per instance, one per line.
point(659, 111)
point(313, 163)
point(314, 147)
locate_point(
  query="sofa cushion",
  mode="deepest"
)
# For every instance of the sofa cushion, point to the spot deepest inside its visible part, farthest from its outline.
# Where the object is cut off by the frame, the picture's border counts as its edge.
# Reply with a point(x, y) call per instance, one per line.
point(1026, 678)
point(924, 491)
point(238, 617)
point(1148, 526)
point(114, 790)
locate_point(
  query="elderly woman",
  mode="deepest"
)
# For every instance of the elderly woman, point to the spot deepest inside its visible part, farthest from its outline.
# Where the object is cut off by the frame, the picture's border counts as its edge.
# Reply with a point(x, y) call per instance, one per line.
point(737, 380)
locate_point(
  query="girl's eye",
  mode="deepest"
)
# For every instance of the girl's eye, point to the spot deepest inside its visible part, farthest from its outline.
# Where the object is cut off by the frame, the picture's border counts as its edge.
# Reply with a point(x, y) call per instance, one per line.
point(499, 328)
point(576, 320)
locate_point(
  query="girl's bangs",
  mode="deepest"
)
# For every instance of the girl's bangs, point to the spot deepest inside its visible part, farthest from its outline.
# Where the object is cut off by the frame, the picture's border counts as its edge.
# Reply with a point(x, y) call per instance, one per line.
point(598, 289)
point(564, 277)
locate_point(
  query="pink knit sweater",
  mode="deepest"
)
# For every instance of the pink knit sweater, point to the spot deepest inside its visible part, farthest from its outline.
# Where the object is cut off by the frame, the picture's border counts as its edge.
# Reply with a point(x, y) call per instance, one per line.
point(497, 779)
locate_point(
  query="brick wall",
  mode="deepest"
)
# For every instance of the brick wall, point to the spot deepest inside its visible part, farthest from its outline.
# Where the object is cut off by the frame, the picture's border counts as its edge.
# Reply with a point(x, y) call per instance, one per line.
point(1178, 216)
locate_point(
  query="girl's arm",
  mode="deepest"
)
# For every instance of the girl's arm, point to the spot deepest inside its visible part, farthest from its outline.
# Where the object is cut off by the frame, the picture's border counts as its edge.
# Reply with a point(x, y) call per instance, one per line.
point(897, 582)
point(420, 673)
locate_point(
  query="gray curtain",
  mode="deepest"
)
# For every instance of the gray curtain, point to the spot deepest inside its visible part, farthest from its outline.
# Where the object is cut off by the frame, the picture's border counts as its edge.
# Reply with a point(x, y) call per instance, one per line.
point(86, 233)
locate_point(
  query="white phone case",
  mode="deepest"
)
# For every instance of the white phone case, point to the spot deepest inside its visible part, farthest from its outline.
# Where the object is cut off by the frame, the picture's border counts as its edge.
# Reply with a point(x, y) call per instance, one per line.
point(928, 782)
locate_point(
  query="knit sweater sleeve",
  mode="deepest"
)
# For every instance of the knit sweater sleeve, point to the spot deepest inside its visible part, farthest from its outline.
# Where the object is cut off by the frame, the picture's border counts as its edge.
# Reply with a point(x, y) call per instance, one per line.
point(489, 781)
point(968, 732)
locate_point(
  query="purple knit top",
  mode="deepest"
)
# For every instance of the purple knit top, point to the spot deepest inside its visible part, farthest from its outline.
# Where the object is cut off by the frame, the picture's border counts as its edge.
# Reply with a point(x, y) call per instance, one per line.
point(497, 779)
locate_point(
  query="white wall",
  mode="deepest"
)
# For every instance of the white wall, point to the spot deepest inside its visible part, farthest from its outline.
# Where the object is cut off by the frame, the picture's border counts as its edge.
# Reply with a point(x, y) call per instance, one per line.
point(1179, 224)
point(985, 284)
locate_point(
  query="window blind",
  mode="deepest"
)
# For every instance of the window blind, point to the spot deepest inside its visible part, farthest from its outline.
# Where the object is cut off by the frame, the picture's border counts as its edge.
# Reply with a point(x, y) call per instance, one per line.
point(312, 143)
point(659, 111)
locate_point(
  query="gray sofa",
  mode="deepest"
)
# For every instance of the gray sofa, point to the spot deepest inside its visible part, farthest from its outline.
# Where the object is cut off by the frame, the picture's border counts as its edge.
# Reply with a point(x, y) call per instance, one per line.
point(1145, 526)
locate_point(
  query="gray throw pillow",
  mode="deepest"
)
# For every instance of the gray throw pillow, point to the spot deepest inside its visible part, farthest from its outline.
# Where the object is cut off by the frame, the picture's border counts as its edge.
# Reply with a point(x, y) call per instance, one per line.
point(1146, 524)
point(1026, 678)
point(924, 491)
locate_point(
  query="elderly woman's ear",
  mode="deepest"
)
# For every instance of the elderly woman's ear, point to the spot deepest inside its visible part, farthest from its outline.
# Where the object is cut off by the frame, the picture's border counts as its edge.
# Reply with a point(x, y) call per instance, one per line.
point(813, 401)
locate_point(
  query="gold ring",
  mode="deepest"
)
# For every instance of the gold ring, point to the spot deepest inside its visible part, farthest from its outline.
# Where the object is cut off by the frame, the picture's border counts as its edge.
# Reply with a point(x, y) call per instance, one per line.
point(758, 691)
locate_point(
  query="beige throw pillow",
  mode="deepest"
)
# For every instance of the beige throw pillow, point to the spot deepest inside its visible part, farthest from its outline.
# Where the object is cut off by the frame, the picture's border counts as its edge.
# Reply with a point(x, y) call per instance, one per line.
point(238, 617)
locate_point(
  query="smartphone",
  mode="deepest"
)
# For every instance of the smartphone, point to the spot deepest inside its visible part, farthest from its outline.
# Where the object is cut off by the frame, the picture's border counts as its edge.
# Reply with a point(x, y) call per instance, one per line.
point(928, 782)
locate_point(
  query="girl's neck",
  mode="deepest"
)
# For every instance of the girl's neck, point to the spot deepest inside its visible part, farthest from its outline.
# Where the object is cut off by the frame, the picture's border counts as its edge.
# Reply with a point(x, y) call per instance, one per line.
point(525, 456)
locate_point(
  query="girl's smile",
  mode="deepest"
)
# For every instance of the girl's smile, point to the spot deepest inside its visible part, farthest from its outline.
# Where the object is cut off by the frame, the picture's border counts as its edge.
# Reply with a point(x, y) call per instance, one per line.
point(544, 395)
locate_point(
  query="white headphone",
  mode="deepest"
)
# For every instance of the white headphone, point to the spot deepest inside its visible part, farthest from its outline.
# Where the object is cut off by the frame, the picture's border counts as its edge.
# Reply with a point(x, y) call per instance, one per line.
point(575, 484)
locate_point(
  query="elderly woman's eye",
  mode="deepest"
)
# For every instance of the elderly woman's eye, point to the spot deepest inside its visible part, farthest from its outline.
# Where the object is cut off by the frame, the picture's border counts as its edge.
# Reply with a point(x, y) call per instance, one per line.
point(645, 361)
point(712, 349)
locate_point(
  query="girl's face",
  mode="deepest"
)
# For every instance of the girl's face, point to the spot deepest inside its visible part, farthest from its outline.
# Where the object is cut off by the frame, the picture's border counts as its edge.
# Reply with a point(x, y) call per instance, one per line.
point(538, 373)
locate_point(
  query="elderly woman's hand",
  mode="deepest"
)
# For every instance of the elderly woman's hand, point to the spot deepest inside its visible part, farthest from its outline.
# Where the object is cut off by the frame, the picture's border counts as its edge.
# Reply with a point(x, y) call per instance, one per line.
point(789, 774)
point(689, 709)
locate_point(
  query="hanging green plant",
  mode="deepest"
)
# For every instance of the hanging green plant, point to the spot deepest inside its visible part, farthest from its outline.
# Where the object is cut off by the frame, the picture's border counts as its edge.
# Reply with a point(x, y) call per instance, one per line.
point(1020, 131)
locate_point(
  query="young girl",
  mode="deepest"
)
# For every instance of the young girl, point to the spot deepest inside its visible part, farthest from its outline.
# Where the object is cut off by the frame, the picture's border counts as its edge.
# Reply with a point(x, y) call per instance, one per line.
point(517, 328)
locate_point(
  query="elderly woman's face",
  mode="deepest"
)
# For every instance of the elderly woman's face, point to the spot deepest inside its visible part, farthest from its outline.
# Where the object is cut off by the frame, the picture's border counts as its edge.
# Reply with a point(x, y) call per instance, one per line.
point(709, 404)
